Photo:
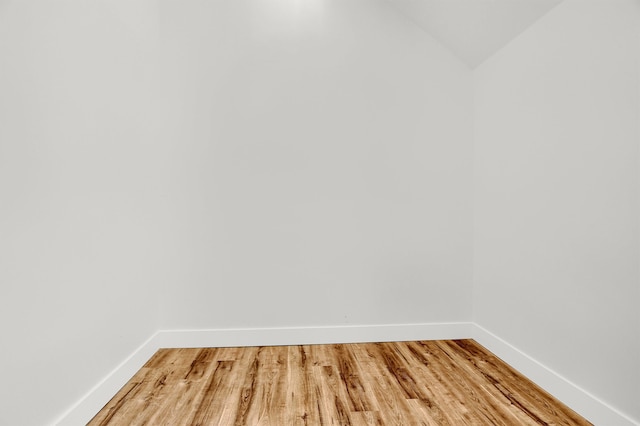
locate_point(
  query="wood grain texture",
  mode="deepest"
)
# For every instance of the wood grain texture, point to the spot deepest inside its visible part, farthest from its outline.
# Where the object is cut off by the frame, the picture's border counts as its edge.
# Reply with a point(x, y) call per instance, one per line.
point(447, 382)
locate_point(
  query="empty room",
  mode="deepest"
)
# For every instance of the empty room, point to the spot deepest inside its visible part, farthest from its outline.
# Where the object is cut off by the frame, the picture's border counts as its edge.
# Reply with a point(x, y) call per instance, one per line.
point(315, 212)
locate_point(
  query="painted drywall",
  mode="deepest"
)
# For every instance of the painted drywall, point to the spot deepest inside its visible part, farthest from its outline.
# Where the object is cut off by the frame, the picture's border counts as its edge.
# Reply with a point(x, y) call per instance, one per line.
point(474, 29)
point(556, 196)
point(219, 164)
point(82, 210)
point(266, 164)
point(322, 158)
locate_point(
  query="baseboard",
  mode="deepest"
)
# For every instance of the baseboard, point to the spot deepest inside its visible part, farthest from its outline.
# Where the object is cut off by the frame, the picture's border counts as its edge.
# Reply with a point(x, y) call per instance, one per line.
point(87, 407)
point(96, 398)
point(587, 405)
point(312, 335)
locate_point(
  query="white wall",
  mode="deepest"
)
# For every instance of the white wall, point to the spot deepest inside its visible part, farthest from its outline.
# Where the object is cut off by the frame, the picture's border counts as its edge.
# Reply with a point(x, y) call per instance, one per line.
point(285, 163)
point(82, 213)
point(219, 164)
point(323, 160)
point(556, 201)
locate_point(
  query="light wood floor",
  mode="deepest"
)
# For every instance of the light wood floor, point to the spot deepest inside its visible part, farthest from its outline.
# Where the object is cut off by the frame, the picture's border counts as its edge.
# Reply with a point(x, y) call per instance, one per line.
point(447, 382)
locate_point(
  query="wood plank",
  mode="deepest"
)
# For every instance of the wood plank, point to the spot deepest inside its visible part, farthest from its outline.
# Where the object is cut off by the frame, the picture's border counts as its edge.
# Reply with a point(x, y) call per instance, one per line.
point(435, 383)
point(302, 402)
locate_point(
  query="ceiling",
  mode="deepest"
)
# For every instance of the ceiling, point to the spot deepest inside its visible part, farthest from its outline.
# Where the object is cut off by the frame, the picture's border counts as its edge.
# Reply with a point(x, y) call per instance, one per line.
point(474, 29)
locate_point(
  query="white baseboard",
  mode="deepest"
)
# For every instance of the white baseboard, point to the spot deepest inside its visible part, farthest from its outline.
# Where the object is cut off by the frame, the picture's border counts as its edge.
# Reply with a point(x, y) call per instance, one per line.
point(89, 405)
point(313, 335)
point(99, 395)
point(596, 411)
